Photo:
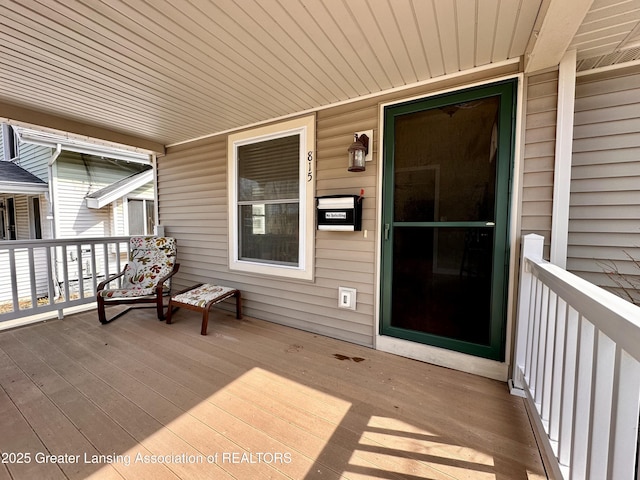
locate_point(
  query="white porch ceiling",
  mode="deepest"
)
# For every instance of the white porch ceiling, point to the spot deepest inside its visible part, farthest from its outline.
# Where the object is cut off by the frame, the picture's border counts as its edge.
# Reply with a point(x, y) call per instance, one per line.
point(169, 71)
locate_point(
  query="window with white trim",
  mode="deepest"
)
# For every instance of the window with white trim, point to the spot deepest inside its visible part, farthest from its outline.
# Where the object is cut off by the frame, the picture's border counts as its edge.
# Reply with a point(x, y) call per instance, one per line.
point(271, 199)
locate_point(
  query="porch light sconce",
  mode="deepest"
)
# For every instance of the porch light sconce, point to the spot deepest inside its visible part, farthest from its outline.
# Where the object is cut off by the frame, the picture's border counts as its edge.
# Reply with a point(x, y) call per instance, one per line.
point(359, 151)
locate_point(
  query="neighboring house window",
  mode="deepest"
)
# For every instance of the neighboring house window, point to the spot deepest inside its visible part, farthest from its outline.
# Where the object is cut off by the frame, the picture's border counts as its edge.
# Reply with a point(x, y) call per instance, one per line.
point(11, 220)
point(140, 216)
point(3, 223)
point(271, 199)
point(36, 221)
point(10, 142)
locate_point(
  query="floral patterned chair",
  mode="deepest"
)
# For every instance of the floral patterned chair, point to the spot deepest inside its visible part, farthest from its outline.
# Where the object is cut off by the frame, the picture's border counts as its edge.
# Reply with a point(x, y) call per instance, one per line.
point(145, 279)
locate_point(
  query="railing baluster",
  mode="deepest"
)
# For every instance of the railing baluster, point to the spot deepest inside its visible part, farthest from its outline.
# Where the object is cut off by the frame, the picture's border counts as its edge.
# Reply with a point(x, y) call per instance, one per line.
point(541, 351)
point(32, 278)
point(602, 405)
point(558, 371)
point(623, 440)
point(535, 345)
point(569, 381)
point(80, 268)
point(583, 401)
point(50, 287)
point(94, 270)
point(105, 253)
point(39, 268)
point(65, 275)
point(14, 280)
point(531, 317)
point(118, 261)
point(549, 364)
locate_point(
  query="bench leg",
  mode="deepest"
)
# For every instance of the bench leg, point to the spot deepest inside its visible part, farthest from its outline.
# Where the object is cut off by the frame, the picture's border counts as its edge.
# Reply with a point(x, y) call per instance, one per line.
point(169, 311)
point(205, 322)
point(238, 304)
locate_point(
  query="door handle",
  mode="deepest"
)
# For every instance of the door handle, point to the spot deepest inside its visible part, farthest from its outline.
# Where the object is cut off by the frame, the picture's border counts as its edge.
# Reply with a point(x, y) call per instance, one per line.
point(386, 231)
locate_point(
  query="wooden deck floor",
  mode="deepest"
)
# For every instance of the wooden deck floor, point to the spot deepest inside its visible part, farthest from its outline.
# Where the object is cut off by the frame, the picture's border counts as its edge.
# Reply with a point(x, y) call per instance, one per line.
point(141, 399)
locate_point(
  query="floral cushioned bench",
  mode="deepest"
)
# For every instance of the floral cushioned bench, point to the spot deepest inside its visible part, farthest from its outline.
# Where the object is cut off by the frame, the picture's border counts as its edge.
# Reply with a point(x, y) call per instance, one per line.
point(200, 298)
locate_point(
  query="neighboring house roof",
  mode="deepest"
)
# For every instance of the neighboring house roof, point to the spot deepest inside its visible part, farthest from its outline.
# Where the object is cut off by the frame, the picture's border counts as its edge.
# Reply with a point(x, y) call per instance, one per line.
point(14, 179)
point(116, 190)
point(88, 146)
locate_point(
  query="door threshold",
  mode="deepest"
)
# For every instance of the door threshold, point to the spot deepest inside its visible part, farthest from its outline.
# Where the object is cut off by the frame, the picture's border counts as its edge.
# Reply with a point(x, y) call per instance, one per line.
point(444, 358)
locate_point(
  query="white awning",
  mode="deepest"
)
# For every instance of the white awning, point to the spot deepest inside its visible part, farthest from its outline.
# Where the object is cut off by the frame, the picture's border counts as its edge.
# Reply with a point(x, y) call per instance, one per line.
point(86, 145)
point(119, 189)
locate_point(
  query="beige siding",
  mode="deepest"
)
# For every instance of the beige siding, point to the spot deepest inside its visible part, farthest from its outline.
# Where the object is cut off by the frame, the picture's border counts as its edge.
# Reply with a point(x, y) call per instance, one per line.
point(193, 208)
point(604, 225)
point(539, 153)
point(347, 258)
point(192, 184)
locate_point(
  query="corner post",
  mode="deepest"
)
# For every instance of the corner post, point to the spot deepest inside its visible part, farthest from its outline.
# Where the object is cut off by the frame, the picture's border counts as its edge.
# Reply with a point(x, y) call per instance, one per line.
point(563, 154)
point(532, 247)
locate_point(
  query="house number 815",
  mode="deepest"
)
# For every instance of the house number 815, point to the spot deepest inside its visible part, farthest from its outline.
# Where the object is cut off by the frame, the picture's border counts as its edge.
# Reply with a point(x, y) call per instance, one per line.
point(309, 171)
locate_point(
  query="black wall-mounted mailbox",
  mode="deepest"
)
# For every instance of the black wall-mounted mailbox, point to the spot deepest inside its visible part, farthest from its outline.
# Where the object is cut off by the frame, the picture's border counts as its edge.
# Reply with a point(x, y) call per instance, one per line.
point(342, 213)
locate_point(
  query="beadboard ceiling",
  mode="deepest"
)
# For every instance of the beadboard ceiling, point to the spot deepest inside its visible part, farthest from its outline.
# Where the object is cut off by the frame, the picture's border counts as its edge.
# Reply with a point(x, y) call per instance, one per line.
point(169, 71)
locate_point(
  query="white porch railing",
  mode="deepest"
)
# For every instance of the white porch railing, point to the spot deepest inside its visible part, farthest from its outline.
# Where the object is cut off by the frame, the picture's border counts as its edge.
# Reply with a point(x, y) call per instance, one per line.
point(39, 276)
point(577, 362)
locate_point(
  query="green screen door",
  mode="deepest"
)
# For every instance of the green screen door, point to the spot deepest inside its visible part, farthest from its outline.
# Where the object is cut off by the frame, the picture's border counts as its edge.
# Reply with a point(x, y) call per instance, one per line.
point(447, 164)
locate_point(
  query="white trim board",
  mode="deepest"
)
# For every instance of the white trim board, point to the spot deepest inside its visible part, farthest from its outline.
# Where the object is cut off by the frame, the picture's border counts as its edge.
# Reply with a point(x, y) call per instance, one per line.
point(444, 358)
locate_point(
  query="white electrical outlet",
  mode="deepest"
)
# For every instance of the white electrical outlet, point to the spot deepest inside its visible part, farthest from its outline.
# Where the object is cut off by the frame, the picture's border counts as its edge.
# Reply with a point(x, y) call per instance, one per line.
point(347, 298)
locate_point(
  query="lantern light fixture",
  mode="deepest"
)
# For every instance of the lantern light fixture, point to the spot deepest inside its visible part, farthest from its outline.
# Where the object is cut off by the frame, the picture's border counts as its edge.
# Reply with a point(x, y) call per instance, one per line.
point(359, 152)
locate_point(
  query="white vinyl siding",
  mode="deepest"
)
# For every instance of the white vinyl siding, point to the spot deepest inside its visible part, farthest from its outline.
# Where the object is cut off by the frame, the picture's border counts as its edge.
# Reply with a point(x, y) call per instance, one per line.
point(35, 159)
point(23, 228)
point(118, 220)
point(75, 179)
point(604, 216)
point(146, 192)
point(24, 232)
